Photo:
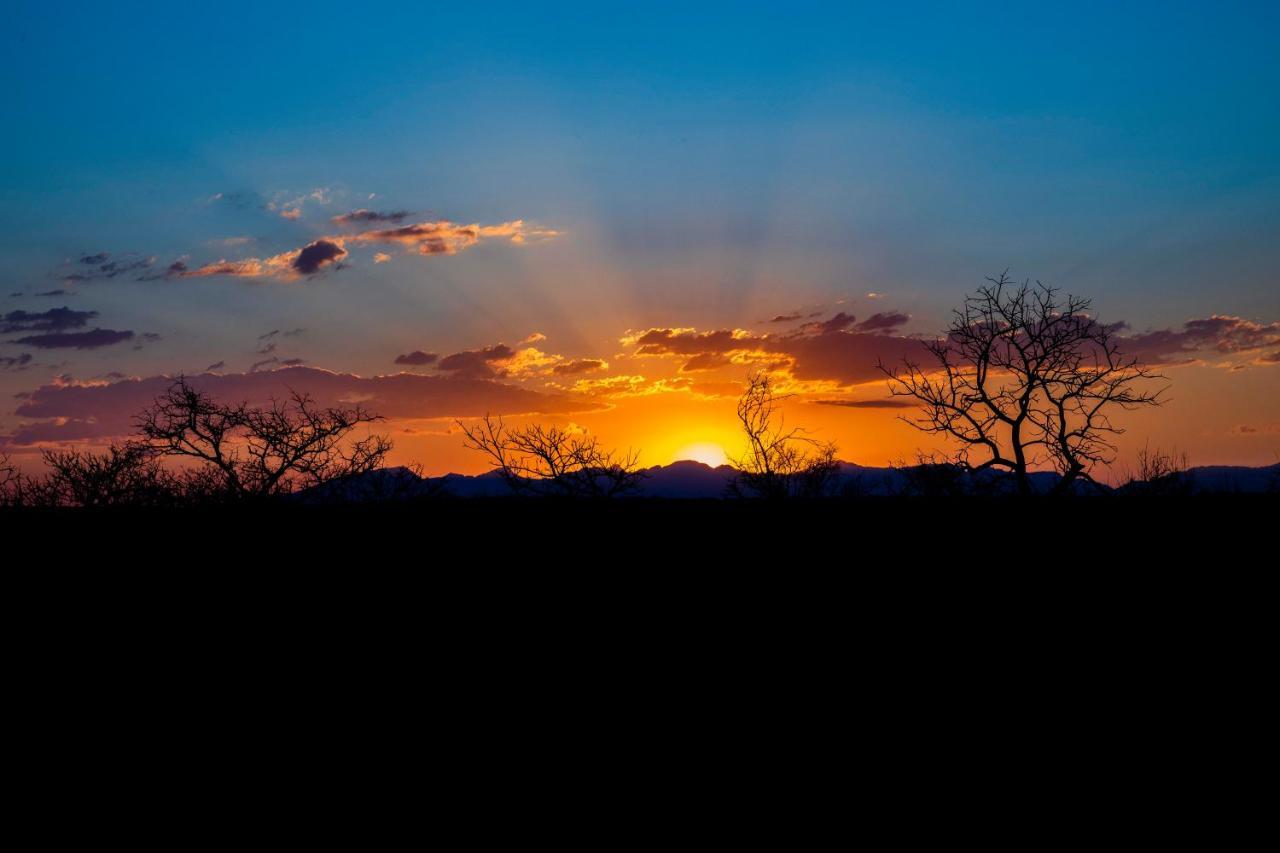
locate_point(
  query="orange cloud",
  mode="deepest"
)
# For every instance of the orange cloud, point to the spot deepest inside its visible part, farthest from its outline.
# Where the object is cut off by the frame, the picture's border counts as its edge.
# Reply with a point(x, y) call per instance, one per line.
point(443, 237)
point(287, 266)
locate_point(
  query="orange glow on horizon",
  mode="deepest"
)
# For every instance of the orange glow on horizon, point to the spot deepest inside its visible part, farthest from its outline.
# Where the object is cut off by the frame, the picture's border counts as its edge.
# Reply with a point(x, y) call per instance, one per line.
point(705, 452)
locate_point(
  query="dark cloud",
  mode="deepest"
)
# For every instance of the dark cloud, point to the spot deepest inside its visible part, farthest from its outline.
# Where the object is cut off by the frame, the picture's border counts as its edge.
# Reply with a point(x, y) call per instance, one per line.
point(288, 334)
point(881, 322)
point(53, 320)
point(363, 217)
point(315, 255)
point(1271, 358)
point(286, 266)
point(238, 200)
point(101, 266)
point(1222, 334)
point(477, 363)
point(66, 411)
point(705, 361)
point(829, 350)
point(217, 365)
point(786, 318)
point(58, 292)
point(92, 339)
point(417, 357)
point(884, 321)
point(579, 365)
point(838, 323)
point(690, 341)
point(17, 362)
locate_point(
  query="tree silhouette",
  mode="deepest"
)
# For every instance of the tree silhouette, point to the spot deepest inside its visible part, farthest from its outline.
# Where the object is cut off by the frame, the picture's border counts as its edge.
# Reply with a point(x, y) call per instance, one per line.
point(538, 460)
point(1025, 377)
point(1159, 473)
point(124, 475)
point(779, 462)
point(11, 482)
point(256, 452)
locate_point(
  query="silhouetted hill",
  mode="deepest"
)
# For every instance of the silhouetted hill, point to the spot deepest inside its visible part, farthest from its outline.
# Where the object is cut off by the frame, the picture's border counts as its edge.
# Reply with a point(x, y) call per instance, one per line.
point(695, 480)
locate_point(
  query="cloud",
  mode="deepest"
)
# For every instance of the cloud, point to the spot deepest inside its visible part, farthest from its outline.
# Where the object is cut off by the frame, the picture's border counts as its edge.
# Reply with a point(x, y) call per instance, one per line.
point(443, 237)
point(838, 323)
point(92, 339)
point(1249, 429)
point(630, 386)
point(364, 217)
point(289, 205)
point(888, 403)
point(883, 322)
point(534, 338)
point(53, 320)
point(786, 318)
point(836, 350)
point(579, 365)
point(217, 365)
point(65, 412)
point(287, 266)
point(101, 266)
point(1218, 333)
point(417, 357)
point(424, 238)
point(288, 334)
point(477, 363)
point(705, 361)
point(16, 362)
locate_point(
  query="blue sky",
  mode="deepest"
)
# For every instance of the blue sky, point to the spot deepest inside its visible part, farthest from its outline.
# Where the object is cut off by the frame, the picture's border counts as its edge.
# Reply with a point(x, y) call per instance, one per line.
point(704, 163)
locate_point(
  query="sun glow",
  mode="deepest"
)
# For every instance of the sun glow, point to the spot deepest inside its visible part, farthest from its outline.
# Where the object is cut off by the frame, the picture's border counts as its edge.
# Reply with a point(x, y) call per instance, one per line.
point(705, 452)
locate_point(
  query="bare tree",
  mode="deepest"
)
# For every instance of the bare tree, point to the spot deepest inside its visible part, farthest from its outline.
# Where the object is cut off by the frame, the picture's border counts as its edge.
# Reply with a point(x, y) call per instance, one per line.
point(554, 461)
point(1159, 473)
point(11, 482)
point(779, 462)
point(257, 452)
point(1025, 377)
point(123, 475)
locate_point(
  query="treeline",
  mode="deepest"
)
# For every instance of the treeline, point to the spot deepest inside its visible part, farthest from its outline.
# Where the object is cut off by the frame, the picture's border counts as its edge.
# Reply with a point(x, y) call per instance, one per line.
point(1022, 380)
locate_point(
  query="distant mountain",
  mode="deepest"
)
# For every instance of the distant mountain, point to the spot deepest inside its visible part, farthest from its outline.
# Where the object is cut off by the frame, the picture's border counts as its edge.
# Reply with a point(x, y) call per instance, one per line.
point(1234, 478)
point(691, 480)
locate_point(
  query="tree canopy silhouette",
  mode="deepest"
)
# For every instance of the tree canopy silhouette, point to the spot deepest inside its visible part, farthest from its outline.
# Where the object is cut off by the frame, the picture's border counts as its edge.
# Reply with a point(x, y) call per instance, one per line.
point(779, 462)
point(264, 450)
point(1025, 376)
point(554, 461)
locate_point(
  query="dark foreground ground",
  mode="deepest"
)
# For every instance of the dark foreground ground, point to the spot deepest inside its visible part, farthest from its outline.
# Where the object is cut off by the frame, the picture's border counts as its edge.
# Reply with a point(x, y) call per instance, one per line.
point(911, 644)
point(959, 535)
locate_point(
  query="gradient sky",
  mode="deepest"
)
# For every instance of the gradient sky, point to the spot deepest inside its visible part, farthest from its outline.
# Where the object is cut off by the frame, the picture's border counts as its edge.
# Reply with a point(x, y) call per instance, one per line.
point(703, 169)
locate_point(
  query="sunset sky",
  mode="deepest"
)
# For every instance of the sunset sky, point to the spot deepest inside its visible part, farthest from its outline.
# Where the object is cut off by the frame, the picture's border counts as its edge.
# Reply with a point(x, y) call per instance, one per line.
point(571, 214)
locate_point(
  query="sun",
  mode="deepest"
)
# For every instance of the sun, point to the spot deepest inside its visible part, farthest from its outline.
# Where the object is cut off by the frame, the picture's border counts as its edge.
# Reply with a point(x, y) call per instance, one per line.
point(704, 452)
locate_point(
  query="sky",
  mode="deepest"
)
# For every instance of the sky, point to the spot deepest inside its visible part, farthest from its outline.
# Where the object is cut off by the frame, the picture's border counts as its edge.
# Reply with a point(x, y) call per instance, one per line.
point(607, 218)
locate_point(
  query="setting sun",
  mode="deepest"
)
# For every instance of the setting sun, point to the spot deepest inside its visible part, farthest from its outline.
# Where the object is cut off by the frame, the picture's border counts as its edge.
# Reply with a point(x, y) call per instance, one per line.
point(706, 453)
